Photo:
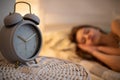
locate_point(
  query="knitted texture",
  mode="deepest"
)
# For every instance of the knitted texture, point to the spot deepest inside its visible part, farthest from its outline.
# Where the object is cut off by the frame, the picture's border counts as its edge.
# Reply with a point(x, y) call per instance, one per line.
point(45, 69)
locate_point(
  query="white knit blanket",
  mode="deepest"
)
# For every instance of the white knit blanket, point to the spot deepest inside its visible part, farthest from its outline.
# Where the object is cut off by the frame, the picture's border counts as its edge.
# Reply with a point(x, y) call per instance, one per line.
point(45, 69)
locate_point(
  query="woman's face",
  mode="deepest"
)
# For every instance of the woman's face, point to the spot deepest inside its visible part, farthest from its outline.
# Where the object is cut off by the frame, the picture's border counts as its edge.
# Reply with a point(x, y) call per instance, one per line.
point(88, 36)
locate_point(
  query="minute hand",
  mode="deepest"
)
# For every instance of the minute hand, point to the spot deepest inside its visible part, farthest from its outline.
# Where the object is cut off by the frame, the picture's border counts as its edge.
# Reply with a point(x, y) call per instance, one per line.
point(21, 38)
point(31, 37)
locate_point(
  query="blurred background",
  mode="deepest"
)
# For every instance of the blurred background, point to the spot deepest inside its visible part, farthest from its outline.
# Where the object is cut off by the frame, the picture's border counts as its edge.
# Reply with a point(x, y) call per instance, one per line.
point(57, 14)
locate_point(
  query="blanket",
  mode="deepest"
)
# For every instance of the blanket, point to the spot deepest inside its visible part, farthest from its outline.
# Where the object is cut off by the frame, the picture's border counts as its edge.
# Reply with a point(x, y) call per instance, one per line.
point(46, 69)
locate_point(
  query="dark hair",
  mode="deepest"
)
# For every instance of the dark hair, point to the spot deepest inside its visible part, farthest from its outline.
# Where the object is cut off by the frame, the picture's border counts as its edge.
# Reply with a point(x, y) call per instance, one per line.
point(72, 37)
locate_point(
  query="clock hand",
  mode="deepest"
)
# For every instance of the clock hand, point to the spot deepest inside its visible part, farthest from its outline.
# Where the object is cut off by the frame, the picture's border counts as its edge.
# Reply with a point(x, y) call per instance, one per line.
point(21, 38)
point(31, 37)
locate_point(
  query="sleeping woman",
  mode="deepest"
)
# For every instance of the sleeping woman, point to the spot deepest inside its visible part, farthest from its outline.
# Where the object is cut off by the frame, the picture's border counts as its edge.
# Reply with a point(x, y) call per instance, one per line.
point(103, 46)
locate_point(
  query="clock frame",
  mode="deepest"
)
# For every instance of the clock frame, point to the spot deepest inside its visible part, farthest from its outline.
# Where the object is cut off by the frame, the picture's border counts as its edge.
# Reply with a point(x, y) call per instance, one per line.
point(7, 42)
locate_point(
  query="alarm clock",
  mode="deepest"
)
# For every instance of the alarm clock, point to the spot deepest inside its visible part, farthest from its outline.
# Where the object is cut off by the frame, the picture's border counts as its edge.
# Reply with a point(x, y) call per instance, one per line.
point(20, 38)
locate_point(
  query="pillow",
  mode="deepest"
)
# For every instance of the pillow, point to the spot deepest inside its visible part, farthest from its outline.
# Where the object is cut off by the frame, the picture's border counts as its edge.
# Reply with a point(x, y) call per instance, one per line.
point(57, 44)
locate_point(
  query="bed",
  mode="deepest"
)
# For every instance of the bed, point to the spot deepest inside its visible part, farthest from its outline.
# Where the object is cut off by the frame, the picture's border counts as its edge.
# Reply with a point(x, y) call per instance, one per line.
point(57, 52)
point(57, 44)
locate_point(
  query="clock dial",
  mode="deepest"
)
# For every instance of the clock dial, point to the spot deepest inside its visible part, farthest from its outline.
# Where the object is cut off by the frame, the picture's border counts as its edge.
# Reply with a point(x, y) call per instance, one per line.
point(26, 41)
point(32, 44)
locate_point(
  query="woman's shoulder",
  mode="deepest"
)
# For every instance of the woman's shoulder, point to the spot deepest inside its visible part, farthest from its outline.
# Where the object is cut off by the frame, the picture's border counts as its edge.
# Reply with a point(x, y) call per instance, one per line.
point(115, 27)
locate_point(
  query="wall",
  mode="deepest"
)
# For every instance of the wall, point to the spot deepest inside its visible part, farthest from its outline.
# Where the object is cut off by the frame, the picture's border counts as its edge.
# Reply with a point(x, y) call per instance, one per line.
point(69, 12)
point(6, 6)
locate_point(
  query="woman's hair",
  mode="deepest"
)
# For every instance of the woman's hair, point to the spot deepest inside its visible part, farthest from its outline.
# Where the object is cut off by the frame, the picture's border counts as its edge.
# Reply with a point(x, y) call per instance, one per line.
point(72, 37)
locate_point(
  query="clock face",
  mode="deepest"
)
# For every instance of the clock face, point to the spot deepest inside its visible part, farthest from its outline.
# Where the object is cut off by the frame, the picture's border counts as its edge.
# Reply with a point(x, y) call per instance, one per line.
point(26, 41)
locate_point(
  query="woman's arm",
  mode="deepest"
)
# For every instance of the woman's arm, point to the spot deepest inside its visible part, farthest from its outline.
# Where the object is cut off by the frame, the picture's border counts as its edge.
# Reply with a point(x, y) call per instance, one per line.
point(110, 60)
point(109, 50)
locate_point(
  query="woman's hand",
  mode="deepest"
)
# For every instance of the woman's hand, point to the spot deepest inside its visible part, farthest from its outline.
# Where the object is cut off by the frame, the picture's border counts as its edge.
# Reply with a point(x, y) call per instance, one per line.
point(88, 48)
point(103, 49)
point(115, 27)
point(109, 50)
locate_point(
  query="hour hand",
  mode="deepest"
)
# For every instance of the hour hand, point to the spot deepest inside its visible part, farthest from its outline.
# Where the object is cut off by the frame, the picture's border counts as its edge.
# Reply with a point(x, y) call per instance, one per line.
point(21, 38)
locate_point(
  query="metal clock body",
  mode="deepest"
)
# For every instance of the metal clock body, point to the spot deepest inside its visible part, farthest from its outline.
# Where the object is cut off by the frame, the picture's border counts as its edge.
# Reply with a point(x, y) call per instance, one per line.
point(21, 42)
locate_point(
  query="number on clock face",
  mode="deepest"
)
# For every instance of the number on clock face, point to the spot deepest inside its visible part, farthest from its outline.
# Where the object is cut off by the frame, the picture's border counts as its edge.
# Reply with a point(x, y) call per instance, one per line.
point(26, 41)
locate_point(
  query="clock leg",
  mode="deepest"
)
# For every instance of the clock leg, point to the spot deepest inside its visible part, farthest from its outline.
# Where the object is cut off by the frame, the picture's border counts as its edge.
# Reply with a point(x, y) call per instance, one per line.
point(17, 64)
point(35, 61)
